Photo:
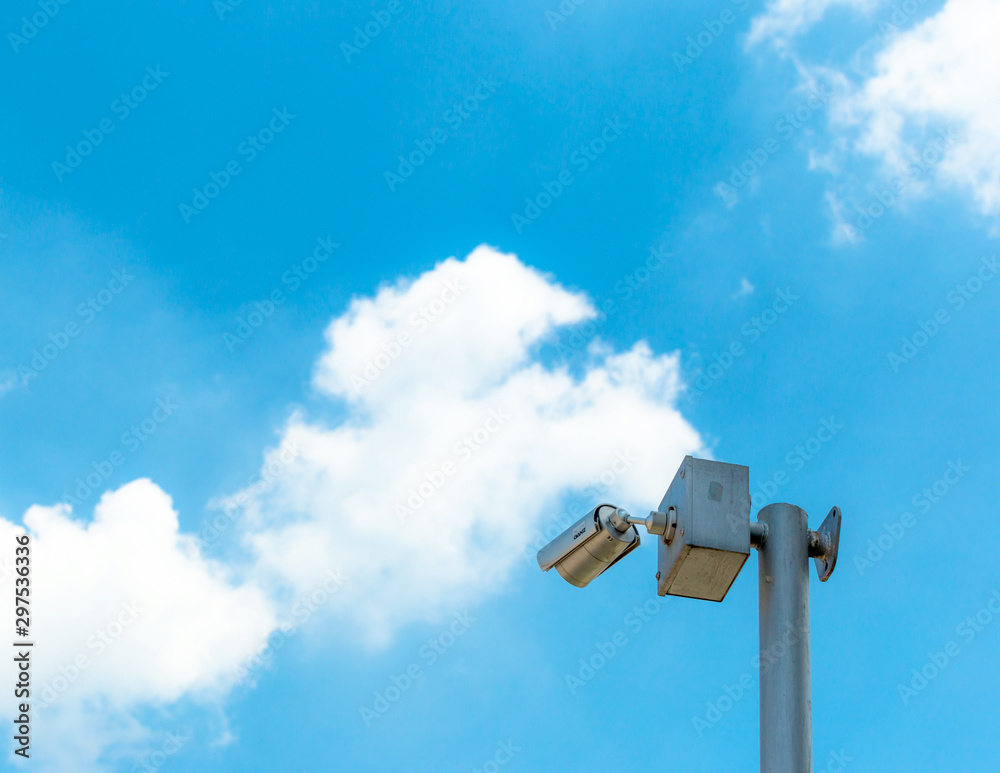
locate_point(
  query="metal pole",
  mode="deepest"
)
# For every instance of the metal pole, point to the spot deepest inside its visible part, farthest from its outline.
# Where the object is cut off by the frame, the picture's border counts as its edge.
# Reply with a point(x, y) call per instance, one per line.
point(785, 689)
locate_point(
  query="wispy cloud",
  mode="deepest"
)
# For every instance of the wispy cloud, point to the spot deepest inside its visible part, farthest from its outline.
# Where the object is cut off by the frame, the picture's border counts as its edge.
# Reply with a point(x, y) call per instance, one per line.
point(914, 80)
point(456, 430)
point(746, 288)
point(783, 20)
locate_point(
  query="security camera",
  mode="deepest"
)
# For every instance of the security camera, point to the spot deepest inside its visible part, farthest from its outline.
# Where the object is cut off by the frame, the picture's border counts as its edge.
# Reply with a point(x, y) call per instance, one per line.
point(704, 536)
point(591, 545)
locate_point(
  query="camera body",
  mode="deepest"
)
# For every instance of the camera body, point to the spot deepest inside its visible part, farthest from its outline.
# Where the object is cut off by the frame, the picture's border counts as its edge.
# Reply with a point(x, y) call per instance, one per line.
point(590, 546)
point(711, 540)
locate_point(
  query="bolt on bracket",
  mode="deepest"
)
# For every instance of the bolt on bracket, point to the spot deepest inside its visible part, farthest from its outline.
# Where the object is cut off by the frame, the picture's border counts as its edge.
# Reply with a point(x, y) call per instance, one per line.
point(824, 544)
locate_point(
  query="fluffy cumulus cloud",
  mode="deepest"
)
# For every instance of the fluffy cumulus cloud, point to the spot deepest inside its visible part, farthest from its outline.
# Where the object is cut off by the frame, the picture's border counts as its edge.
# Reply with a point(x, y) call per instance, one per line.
point(460, 442)
point(941, 75)
point(126, 614)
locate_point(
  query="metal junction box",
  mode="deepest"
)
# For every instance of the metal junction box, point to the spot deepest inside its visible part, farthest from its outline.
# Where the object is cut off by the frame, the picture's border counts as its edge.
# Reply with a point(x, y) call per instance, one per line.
point(711, 540)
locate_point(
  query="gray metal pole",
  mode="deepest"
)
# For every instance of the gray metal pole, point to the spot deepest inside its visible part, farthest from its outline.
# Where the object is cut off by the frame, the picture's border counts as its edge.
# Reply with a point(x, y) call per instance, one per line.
point(785, 689)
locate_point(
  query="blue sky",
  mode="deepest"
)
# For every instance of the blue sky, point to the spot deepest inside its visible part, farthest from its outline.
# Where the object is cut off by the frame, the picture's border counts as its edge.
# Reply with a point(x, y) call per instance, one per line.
point(761, 233)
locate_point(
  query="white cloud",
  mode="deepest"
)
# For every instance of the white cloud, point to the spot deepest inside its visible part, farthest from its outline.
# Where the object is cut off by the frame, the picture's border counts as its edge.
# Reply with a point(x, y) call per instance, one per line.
point(923, 99)
point(843, 232)
point(126, 614)
point(462, 443)
point(942, 73)
point(785, 19)
point(8, 380)
point(746, 288)
point(460, 447)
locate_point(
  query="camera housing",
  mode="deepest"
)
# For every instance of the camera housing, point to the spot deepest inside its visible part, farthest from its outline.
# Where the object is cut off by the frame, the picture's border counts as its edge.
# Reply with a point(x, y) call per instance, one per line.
point(590, 546)
point(711, 539)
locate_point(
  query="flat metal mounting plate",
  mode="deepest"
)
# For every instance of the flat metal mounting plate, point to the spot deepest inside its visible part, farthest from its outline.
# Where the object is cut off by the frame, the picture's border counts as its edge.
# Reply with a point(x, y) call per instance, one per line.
point(829, 532)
